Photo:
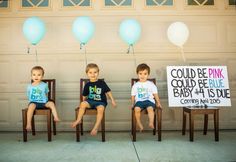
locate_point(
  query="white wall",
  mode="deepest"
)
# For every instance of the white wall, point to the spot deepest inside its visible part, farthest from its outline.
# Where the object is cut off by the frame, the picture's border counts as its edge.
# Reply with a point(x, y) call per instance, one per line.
point(212, 42)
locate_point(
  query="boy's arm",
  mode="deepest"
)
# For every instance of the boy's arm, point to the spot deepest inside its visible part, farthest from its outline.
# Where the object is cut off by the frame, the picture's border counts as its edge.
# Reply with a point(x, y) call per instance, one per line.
point(113, 102)
point(158, 102)
point(84, 98)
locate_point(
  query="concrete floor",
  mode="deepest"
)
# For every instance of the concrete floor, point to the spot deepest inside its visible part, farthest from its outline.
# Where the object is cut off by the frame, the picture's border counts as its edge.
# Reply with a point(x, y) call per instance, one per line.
point(118, 147)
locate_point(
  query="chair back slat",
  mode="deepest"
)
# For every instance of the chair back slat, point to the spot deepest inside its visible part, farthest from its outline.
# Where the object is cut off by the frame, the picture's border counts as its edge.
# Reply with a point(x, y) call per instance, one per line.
point(82, 84)
point(52, 89)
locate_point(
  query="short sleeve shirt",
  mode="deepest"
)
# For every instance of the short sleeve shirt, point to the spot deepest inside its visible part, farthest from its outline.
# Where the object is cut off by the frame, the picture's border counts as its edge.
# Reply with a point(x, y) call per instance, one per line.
point(144, 91)
point(96, 91)
point(38, 93)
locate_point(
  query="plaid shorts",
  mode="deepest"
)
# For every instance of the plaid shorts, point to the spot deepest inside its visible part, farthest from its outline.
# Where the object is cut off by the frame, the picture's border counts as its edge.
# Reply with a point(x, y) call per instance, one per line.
point(94, 104)
point(38, 105)
point(145, 104)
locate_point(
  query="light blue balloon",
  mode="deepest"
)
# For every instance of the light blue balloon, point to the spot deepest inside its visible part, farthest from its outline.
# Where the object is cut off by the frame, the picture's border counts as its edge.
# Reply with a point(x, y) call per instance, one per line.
point(34, 30)
point(130, 31)
point(83, 29)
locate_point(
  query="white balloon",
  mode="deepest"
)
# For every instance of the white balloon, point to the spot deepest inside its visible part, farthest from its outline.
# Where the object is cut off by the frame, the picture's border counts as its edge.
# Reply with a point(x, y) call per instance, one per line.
point(178, 33)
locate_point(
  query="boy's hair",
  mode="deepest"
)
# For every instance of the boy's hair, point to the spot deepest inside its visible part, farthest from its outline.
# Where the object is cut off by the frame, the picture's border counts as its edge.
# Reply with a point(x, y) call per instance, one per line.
point(37, 68)
point(90, 66)
point(142, 67)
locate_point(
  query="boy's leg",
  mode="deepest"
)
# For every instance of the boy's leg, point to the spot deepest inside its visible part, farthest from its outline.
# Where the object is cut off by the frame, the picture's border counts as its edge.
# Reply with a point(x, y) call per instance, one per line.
point(137, 111)
point(52, 106)
point(82, 108)
point(30, 112)
point(100, 111)
point(150, 111)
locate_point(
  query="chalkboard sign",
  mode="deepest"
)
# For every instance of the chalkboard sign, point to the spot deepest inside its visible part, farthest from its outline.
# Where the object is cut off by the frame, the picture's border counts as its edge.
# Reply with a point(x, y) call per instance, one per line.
point(198, 86)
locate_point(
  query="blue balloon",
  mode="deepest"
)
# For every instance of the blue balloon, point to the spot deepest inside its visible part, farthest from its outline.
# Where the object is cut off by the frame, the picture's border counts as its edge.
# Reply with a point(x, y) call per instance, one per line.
point(34, 30)
point(83, 29)
point(130, 31)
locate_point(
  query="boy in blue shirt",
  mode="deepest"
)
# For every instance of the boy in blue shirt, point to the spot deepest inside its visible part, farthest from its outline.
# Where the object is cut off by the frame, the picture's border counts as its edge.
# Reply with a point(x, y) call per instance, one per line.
point(37, 95)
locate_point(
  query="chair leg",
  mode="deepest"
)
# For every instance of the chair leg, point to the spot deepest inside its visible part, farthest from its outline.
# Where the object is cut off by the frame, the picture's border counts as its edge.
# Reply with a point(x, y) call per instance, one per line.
point(24, 119)
point(33, 126)
point(216, 124)
point(49, 125)
point(77, 128)
point(134, 126)
point(159, 114)
point(184, 123)
point(77, 133)
point(54, 127)
point(82, 127)
point(103, 127)
point(205, 124)
point(155, 124)
point(191, 126)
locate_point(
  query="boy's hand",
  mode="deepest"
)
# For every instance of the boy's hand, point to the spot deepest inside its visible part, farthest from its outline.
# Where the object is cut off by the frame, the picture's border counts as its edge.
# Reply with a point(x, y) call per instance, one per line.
point(158, 105)
point(131, 107)
point(113, 102)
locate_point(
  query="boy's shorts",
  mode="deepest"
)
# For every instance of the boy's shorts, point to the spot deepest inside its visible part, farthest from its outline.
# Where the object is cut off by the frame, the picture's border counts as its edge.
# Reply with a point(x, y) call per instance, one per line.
point(94, 104)
point(145, 104)
point(38, 105)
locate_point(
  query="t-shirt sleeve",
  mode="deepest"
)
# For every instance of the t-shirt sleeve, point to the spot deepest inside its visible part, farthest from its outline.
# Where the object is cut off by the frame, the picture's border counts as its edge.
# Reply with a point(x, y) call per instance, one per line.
point(28, 91)
point(46, 88)
point(106, 88)
point(154, 89)
point(134, 90)
point(86, 90)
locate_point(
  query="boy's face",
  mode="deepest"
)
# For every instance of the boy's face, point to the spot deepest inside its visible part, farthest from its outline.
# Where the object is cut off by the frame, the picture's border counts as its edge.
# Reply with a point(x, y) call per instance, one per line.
point(37, 75)
point(93, 74)
point(143, 75)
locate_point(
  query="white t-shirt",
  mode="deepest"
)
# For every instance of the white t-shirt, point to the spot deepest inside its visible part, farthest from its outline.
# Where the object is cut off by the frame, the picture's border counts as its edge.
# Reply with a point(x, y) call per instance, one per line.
point(144, 91)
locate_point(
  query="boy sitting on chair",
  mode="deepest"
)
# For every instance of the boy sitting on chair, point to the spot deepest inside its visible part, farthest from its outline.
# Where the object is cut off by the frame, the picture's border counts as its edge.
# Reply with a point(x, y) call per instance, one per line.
point(37, 94)
point(144, 96)
point(94, 97)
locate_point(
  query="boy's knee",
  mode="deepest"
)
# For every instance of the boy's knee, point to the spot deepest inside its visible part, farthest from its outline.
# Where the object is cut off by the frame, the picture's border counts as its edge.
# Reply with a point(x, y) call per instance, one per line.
point(32, 105)
point(150, 109)
point(50, 104)
point(137, 109)
point(100, 109)
point(83, 104)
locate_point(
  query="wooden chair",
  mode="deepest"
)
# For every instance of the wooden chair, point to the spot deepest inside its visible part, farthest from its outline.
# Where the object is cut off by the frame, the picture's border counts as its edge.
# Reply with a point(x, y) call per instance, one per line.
point(79, 127)
point(42, 111)
point(157, 116)
point(200, 110)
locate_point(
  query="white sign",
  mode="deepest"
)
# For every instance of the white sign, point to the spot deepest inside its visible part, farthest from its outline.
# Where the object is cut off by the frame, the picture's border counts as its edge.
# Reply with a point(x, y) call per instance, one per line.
point(198, 86)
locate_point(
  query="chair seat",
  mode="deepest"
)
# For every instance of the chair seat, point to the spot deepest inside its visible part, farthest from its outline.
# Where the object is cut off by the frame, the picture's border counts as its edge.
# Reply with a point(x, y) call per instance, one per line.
point(205, 111)
point(89, 111)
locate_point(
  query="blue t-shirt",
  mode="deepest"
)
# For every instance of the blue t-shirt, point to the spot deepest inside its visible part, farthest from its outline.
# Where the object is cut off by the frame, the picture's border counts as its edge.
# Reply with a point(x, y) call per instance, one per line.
point(38, 93)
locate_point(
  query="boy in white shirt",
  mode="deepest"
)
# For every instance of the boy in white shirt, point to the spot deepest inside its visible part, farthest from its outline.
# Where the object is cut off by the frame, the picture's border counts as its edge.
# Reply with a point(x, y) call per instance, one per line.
point(144, 95)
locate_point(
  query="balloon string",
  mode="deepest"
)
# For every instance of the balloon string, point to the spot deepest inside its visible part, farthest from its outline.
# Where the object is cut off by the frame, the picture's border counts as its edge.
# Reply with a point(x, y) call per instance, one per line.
point(128, 50)
point(135, 62)
point(36, 54)
point(28, 49)
point(182, 53)
point(85, 52)
point(131, 47)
